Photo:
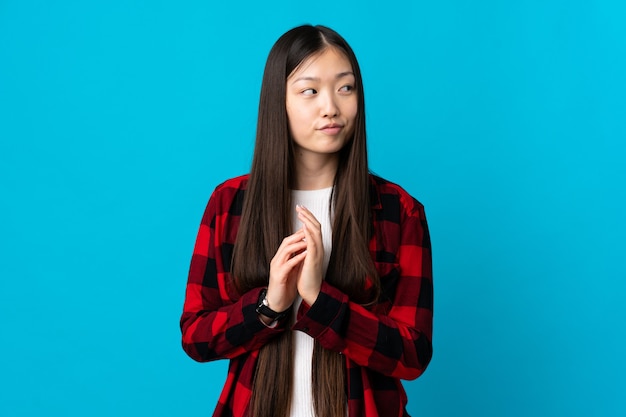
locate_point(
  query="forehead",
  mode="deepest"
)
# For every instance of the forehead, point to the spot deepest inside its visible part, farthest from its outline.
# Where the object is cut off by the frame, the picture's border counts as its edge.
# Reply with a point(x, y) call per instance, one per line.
point(329, 60)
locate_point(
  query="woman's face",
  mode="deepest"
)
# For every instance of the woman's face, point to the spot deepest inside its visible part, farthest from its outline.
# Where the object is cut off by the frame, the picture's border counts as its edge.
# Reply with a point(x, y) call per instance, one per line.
point(322, 103)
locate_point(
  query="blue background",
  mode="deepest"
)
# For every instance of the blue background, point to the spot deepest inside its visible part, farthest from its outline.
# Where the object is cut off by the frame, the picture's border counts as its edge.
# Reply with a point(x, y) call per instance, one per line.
point(506, 119)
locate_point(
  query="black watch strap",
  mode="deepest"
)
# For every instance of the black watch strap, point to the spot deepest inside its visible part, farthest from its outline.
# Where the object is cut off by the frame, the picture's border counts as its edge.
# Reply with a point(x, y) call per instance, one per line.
point(264, 308)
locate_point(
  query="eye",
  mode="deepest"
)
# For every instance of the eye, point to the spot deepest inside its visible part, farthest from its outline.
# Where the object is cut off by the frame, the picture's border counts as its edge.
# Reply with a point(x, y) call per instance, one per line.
point(309, 92)
point(346, 88)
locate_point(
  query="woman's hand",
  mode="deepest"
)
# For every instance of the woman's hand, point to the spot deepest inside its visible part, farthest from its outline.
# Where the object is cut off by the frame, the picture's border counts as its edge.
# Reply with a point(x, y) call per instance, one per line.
point(296, 268)
point(310, 278)
point(284, 270)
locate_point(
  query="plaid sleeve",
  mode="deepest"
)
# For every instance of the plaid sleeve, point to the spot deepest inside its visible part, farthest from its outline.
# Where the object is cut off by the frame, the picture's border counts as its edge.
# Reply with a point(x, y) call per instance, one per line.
point(217, 323)
point(394, 337)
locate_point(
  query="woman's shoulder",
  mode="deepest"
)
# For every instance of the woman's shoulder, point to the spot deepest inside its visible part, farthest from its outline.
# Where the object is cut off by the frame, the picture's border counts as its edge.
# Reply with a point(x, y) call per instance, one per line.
point(237, 183)
point(228, 192)
point(389, 193)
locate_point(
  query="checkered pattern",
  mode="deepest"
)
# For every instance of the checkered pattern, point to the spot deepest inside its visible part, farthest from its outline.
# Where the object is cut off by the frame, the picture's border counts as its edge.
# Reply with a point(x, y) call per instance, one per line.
point(381, 344)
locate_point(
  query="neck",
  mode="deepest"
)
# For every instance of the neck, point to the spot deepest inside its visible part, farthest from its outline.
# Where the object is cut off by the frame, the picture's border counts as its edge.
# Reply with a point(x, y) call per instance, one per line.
point(315, 172)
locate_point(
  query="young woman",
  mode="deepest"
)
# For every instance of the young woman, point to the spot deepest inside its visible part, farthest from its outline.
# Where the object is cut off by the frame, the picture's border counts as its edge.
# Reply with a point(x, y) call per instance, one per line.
point(311, 275)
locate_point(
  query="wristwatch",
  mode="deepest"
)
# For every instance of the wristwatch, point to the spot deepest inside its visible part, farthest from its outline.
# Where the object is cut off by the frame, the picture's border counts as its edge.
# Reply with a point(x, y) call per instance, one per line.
point(263, 307)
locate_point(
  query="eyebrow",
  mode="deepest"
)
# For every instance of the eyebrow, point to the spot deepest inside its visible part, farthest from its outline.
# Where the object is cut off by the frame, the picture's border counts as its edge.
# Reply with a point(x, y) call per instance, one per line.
point(338, 76)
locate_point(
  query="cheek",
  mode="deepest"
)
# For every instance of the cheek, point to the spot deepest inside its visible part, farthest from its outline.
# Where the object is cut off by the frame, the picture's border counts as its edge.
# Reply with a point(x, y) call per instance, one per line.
point(297, 123)
point(351, 110)
point(294, 121)
point(292, 117)
point(300, 117)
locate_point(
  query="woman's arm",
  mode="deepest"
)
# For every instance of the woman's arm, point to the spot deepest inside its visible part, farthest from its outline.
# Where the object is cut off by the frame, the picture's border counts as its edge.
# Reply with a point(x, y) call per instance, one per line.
point(214, 323)
point(395, 337)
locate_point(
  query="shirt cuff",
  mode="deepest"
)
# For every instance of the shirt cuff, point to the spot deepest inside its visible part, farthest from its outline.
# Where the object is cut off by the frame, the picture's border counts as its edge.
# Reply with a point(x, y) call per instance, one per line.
point(252, 321)
point(326, 312)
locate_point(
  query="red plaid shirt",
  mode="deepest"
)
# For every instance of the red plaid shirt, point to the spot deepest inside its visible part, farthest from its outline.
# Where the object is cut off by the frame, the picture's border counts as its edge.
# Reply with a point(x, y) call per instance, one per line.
point(381, 344)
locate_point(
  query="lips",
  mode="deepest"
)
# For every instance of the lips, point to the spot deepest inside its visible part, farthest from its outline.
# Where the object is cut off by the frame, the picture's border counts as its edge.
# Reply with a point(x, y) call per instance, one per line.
point(331, 128)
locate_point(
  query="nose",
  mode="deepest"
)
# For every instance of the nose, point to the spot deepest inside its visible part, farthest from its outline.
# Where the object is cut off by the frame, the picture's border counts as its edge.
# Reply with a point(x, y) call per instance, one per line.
point(329, 107)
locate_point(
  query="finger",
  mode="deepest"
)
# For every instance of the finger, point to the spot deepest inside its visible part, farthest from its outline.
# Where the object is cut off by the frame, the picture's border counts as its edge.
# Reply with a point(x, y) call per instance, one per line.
point(281, 271)
point(286, 252)
point(304, 213)
point(313, 241)
point(312, 230)
point(313, 227)
point(311, 223)
point(296, 237)
point(288, 265)
point(296, 259)
point(290, 240)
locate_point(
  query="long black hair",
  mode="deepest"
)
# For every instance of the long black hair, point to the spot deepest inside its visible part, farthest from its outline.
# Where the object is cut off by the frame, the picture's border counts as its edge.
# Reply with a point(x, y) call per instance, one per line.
point(266, 220)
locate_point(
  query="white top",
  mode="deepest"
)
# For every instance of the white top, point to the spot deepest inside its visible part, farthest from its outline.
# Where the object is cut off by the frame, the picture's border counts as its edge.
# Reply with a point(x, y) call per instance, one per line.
point(317, 201)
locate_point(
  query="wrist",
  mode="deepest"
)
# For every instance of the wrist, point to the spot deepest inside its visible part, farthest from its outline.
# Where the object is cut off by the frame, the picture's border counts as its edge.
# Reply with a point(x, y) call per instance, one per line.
point(264, 309)
point(310, 297)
